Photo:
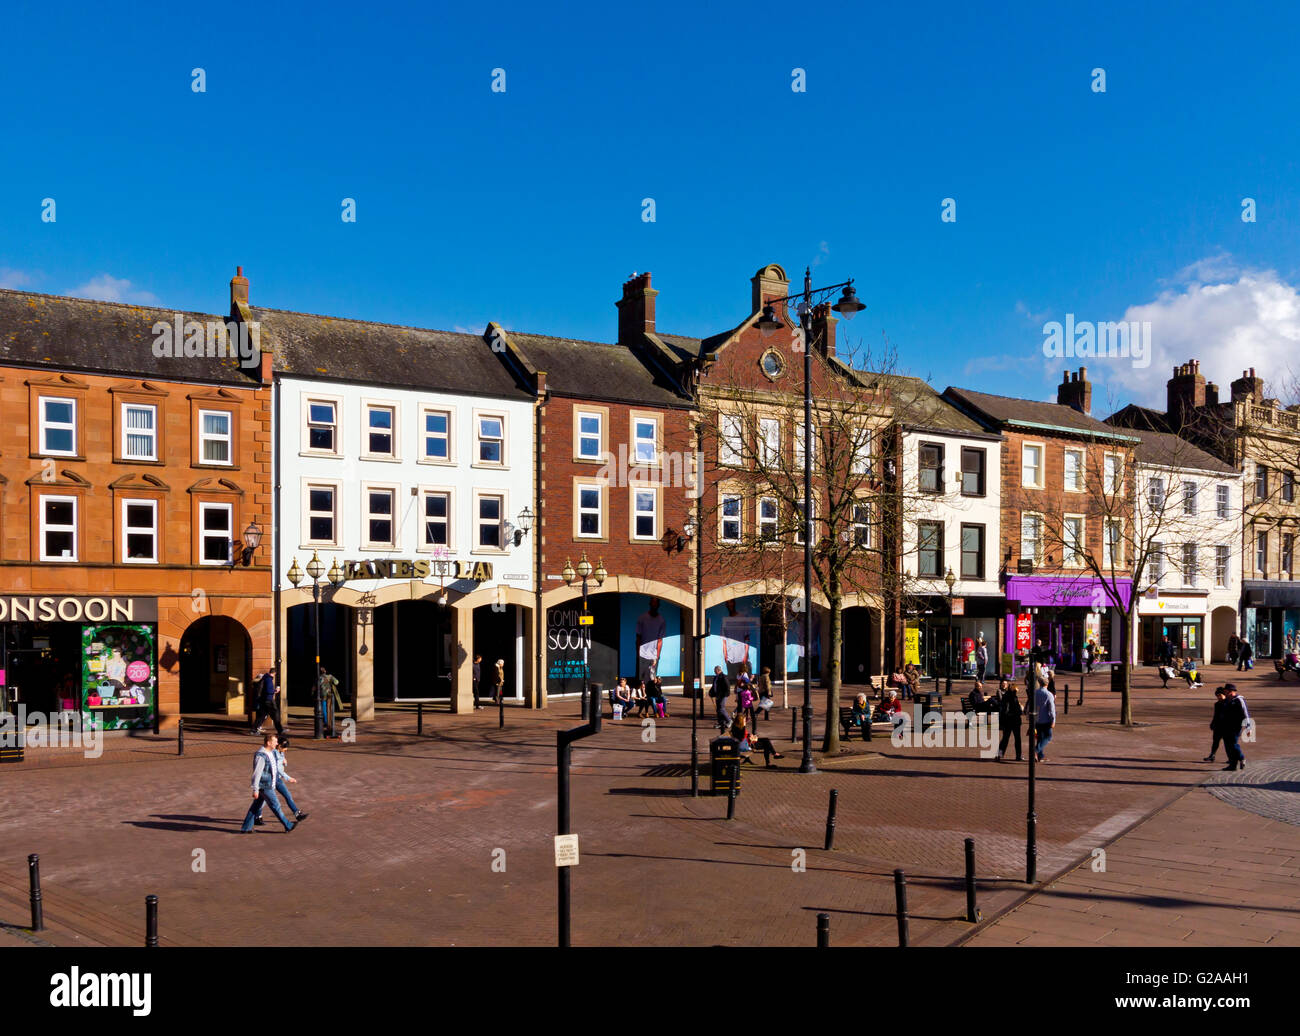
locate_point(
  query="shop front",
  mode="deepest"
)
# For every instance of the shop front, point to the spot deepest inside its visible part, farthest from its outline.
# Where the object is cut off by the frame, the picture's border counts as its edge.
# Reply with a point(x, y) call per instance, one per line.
point(1062, 613)
point(1271, 617)
point(931, 633)
point(627, 635)
point(93, 656)
point(1179, 617)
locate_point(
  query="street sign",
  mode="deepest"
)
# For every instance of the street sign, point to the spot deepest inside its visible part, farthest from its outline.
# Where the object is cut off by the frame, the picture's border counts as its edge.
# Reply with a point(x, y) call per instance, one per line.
point(566, 850)
point(586, 620)
point(959, 606)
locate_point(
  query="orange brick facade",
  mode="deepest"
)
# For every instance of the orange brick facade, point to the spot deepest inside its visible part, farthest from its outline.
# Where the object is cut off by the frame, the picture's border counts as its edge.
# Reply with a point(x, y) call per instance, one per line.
point(99, 479)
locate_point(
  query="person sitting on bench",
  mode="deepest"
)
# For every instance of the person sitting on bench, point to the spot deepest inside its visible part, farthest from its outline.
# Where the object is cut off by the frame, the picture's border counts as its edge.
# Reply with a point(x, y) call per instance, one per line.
point(1188, 671)
point(861, 711)
point(888, 707)
point(640, 700)
point(748, 743)
point(1291, 661)
point(622, 698)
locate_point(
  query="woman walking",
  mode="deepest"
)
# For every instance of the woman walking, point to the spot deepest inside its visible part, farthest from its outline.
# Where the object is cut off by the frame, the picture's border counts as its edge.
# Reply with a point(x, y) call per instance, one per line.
point(1009, 718)
point(499, 681)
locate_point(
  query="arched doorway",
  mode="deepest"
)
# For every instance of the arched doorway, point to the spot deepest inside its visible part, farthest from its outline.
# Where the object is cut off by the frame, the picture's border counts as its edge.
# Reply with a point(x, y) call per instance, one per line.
point(1223, 624)
point(216, 666)
point(298, 684)
point(860, 645)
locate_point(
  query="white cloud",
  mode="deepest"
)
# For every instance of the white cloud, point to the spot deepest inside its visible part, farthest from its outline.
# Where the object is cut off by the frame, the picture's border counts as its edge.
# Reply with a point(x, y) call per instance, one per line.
point(1032, 317)
point(1227, 317)
point(108, 288)
point(13, 278)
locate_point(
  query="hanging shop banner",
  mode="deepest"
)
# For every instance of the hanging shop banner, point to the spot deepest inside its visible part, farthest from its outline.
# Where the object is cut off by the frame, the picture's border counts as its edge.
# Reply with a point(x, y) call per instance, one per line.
point(912, 645)
point(1024, 632)
point(118, 675)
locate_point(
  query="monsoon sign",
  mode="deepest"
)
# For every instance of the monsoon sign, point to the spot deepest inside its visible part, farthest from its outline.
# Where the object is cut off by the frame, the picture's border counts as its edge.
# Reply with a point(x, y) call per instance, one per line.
point(78, 609)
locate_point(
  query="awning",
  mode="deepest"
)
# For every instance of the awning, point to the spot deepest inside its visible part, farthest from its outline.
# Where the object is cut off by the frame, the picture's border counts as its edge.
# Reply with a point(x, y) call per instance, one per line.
point(1257, 593)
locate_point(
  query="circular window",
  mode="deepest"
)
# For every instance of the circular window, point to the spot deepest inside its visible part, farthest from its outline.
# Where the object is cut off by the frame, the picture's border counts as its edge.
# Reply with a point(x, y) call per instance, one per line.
point(772, 364)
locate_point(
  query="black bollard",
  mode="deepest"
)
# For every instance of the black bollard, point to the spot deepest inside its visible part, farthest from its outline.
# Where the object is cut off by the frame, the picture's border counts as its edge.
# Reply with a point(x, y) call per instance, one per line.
point(1081, 676)
point(34, 879)
point(695, 766)
point(794, 729)
point(180, 735)
point(823, 931)
point(501, 710)
point(972, 912)
point(1067, 699)
point(900, 905)
point(151, 920)
point(830, 819)
point(419, 717)
point(734, 790)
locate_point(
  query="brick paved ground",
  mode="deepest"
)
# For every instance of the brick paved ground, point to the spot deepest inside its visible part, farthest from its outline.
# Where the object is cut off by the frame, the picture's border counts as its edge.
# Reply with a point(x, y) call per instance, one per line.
point(399, 846)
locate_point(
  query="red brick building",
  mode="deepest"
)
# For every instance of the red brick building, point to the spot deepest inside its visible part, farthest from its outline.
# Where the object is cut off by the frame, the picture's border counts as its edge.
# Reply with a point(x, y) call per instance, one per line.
point(134, 454)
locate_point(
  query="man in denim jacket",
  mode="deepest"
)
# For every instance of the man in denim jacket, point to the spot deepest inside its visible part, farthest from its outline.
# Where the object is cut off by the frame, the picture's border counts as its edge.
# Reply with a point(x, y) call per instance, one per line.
point(265, 775)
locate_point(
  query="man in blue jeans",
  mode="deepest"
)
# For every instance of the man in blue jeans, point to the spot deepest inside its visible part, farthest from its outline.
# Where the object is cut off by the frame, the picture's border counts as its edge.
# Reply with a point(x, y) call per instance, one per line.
point(1044, 720)
point(265, 774)
point(281, 776)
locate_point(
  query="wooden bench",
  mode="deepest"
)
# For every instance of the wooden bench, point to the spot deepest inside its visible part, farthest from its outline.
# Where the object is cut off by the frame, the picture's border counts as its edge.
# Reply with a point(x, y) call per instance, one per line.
point(967, 707)
point(846, 721)
point(1281, 669)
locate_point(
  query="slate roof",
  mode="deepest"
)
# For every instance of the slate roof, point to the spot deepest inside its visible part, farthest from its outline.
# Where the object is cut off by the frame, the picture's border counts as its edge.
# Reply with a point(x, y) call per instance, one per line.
point(313, 346)
point(1166, 450)
point(1032, 413)
point(597, 370)
point(112, 338)
point(919, 407)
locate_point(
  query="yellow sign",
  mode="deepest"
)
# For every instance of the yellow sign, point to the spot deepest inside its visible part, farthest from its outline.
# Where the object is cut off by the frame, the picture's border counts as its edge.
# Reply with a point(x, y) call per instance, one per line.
point(585, 620)
point(912, 646)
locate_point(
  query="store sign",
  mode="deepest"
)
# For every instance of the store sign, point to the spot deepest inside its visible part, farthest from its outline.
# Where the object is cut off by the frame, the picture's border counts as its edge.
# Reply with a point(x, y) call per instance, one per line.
point(1075, 592)
point(78, 609)
point(912, 645)
point(959, 606)
point(421, 568)
point(1024, 632)
point(1172, 606)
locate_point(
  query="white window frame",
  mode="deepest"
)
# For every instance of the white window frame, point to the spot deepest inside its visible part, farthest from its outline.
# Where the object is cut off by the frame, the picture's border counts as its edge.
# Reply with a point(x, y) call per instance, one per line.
point(768, 529)
point(638, 440)
point(1081, 461)
point(426, 411)
point(599, 417)
point(307, 424)
point(1157, 562)
point(1190, 577)
point(1157, 494)
point(941, 559)
point(45, 526)
point(1108, 560)
point(1025, 447)
point(128, 431)
point(1222, 559)
point(724, 519)
point(423, 545)
point(367, 515)
point(799, 447)
point(479, 521)
point(228, 438)
point(634, 502)
point(769, 442)
point(1108, 484)
point(369, 405)
point(1192, 497)
point(1072, 554)
point(600, 489)
point(1261, 547)
point(46, 425)
point(1036, 556)
point(860, 460)
point(802, 523)
point(136, 530)
point(479, 439)
point(731, 440)
point(861, 530)
point(204, 535)
point(336, 513)
point(1223, 501)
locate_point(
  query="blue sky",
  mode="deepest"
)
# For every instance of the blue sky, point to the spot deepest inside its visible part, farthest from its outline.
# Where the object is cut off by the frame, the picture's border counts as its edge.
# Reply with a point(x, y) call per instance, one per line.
point(526, 206)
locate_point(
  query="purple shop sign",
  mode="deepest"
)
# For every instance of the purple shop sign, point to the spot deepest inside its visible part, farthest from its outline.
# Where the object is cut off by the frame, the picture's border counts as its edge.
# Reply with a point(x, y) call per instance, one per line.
point(1066, 592)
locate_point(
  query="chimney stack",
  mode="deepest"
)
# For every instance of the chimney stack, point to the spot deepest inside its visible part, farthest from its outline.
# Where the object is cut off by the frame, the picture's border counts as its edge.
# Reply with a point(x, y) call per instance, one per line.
point(636, 309)
point(823, 328)
point(238, 288)
point(1185, 394)
point(1075, 391)
point(770, 282)
point(1248, 388)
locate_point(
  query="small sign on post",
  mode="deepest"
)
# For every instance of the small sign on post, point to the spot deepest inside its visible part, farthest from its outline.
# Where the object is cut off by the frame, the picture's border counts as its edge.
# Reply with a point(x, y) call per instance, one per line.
point(566, 850)
point(586, 620)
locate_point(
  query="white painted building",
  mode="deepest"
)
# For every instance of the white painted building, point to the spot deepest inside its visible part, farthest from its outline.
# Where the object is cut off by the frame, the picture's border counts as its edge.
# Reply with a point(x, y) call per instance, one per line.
point(950, 502)
point(1189, 512)
point(406, 464)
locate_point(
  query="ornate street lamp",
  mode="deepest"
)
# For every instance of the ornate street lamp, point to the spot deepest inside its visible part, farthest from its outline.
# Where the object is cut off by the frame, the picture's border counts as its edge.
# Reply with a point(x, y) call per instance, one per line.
point(584, 572)
point(951, 580)
point(315, 569)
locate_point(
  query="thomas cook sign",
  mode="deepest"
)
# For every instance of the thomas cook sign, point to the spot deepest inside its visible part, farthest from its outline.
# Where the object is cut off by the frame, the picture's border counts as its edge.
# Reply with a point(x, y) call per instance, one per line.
point(421, 568)
point(78, 609)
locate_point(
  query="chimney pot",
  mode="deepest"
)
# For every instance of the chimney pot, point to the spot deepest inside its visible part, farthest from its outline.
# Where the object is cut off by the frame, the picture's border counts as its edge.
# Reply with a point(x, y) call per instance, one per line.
point(238, 288)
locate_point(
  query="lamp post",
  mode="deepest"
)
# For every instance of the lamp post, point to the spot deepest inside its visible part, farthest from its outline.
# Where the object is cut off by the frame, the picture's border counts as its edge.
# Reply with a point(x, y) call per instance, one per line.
point(691, 528)
point(951, 580)
point(847, 306)
point(242, 551)
point(584, 571)
point(315, 569)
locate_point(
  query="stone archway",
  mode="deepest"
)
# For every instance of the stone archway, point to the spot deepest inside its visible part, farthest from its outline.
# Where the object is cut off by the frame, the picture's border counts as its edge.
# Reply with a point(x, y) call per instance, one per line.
point(216, 667)
point(1223, 624)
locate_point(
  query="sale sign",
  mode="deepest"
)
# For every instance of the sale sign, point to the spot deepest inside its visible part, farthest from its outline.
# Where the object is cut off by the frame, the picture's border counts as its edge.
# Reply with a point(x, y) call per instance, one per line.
point(1024, 632)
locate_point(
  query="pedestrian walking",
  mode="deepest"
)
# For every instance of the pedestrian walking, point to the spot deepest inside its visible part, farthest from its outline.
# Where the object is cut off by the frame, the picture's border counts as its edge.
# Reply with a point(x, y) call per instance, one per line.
point(981, 659)
point(266, 703)
point(1044, 710)
point(1009, 718)
point(719, 692)
point(478, 678)
point(499, 682)
point(763, 688)
point(1233, 644)
point(745, 699)
point(264, 778)
point(1245, 655)
point(1234, 717)
point(1216, 723)
point(282, 789)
